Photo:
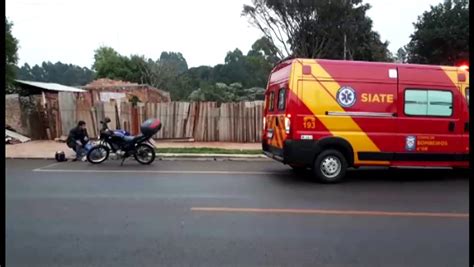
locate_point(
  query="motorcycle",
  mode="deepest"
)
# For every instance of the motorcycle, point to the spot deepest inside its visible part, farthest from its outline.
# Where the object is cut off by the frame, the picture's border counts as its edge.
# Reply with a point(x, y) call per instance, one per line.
point(125, 145)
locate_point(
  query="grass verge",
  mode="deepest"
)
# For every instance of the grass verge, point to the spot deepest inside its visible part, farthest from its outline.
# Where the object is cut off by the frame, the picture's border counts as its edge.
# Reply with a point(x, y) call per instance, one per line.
point(207, 150)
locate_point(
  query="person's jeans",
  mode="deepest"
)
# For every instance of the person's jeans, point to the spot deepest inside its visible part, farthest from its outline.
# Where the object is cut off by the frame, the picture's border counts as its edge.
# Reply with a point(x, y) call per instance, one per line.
point(80, 151)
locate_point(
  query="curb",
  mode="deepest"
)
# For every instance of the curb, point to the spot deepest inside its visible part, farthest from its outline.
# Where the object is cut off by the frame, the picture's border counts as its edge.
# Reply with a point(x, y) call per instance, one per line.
point(170, 156)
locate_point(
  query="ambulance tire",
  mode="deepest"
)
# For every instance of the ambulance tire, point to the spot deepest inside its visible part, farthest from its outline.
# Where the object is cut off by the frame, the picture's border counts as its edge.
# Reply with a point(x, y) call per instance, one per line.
point(330, 166)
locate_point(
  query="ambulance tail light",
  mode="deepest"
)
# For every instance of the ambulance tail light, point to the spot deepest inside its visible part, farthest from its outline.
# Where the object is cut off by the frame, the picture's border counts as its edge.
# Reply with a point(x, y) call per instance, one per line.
point(464, 67)
point(287, 124)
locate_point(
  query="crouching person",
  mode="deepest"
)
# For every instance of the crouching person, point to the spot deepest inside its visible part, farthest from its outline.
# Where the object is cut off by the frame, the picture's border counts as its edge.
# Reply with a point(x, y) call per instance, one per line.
point(78, 140)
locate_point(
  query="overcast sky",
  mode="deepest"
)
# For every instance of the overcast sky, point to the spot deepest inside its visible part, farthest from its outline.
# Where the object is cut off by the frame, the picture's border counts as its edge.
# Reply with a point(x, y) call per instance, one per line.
point(204, 31)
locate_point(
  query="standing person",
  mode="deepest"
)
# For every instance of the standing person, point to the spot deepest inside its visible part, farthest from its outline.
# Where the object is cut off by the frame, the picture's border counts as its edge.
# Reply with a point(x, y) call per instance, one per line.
point(77, 140)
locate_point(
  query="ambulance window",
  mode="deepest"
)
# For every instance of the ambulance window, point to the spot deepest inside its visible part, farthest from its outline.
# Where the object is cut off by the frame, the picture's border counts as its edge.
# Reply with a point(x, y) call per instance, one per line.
point(428, 103)
point(281, 99)
point(271, 100)
point(440, 103)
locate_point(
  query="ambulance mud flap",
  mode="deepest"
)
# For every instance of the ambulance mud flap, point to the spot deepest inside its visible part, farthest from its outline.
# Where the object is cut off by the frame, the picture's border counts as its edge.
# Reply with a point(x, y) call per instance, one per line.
point(272, 152)
point(300, 151)
point(305, 151)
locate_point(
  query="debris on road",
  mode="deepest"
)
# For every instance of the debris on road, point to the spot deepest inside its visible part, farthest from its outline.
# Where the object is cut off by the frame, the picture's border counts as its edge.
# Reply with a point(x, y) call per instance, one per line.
point(12, 137)
point(61, 139)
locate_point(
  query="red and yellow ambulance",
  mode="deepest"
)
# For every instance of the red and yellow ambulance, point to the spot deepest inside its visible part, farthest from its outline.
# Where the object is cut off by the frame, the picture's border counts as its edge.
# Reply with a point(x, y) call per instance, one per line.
point(329, 115)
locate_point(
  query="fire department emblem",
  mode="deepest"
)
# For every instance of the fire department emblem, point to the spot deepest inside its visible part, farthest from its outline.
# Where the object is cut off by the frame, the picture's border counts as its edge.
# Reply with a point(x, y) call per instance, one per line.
point(346, 96)
point(410, 143)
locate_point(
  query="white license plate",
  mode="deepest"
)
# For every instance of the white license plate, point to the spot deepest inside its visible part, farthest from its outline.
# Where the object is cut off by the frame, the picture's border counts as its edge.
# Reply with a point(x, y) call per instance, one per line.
point(269, 135)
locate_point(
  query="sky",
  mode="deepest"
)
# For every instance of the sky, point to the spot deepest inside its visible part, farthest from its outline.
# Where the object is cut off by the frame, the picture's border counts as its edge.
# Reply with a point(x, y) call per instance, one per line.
point(203, 31)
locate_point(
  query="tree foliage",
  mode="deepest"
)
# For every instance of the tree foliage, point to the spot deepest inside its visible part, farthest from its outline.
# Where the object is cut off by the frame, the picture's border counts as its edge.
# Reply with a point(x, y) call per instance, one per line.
point(170, 72)
point(441, 34)
point(318, 28)
point(221, 92)
point(58, 72)
point(11, 49)
point(108, 63)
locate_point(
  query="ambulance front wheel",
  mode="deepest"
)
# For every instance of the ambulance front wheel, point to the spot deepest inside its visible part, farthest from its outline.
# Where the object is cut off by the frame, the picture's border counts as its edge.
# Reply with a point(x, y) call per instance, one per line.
point(330, 166)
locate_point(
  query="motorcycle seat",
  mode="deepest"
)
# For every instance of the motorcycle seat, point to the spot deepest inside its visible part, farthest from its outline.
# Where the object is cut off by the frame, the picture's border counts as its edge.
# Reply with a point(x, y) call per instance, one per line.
point(131, 138)
point(128, 138)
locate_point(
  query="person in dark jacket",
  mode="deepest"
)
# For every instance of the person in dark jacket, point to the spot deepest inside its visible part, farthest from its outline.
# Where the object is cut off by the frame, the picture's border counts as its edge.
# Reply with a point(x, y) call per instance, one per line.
point(77, 139)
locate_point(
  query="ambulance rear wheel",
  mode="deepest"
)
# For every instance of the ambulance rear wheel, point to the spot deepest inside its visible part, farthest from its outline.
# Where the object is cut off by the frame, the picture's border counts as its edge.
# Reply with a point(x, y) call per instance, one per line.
point(330, 166)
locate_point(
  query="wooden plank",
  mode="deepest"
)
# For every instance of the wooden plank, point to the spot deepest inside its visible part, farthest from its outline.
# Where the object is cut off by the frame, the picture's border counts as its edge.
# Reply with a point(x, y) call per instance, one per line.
point(83, 112)
point(153, 115)
point(253, 125)
point(184, 117)
point(95, 123)
point(233, 132)
point(260, 121)
point(241, 122)
point(159, 135)
point(159, 114)
point(17, 136)
point(173, 119)
point(202, 121)
point(246, 119)
point(221, 123)
point(178, 129)
point(123, 116)
point(191, 120)
point(67, 111)
point(109, 111)
point(163, 119)
point(229, 122)
point(181, 119)
point(166, 125)
point(212, 120)
point(196, 121)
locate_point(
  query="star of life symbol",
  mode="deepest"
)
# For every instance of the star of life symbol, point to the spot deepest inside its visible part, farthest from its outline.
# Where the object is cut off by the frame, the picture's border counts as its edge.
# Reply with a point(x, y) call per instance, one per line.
point(410, 143)
point(346, 96)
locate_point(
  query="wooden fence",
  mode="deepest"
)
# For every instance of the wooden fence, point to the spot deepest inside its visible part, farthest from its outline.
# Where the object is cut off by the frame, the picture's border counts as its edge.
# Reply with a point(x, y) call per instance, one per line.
point(201, 121)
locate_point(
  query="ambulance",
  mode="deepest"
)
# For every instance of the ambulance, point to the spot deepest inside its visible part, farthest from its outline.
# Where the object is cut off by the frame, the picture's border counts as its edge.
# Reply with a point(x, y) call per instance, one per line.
point(330, 115)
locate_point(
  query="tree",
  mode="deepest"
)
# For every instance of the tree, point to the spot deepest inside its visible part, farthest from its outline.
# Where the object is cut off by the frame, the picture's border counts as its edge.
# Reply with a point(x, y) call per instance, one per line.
point(162, 73)
point(263, 47)
point(334, 29)
point(170, 72)
point(58, 72)
point(441, 34)
point(174, 61)
point(108, 63)
point(11, 53)
point(221, 92)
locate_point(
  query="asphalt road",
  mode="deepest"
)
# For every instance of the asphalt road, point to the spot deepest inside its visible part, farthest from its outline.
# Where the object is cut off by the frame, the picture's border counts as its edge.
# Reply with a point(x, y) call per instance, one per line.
point(231, 213)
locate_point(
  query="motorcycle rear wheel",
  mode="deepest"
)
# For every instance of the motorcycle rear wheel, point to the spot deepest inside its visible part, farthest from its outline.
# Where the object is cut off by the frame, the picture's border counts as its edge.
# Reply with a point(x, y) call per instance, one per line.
point(144, 154)
point(101, 150)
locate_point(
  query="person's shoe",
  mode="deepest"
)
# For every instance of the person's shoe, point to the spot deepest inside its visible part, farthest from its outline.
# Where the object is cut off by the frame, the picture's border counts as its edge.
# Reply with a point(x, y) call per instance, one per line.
point(84, 159)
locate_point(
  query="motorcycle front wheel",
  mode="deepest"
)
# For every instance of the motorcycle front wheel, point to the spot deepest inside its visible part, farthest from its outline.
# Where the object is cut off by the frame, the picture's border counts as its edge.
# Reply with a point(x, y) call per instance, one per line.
point(98, 154)
point(144, 154)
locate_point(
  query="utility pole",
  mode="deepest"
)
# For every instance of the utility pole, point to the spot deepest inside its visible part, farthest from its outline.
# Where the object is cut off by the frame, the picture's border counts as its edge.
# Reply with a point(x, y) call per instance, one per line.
point(345, 40)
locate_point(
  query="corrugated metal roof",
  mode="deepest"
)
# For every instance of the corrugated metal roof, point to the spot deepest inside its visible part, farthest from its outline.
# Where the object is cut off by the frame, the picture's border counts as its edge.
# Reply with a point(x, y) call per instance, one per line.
point(52, 86)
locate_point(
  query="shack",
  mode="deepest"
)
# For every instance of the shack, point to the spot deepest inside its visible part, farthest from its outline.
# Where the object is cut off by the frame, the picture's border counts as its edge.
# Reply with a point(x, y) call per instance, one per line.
point(103, 90)
point(34, 112)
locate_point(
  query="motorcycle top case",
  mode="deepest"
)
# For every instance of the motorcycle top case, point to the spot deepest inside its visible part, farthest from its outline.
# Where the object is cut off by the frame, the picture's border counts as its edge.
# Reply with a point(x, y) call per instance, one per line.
point(150, 127)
